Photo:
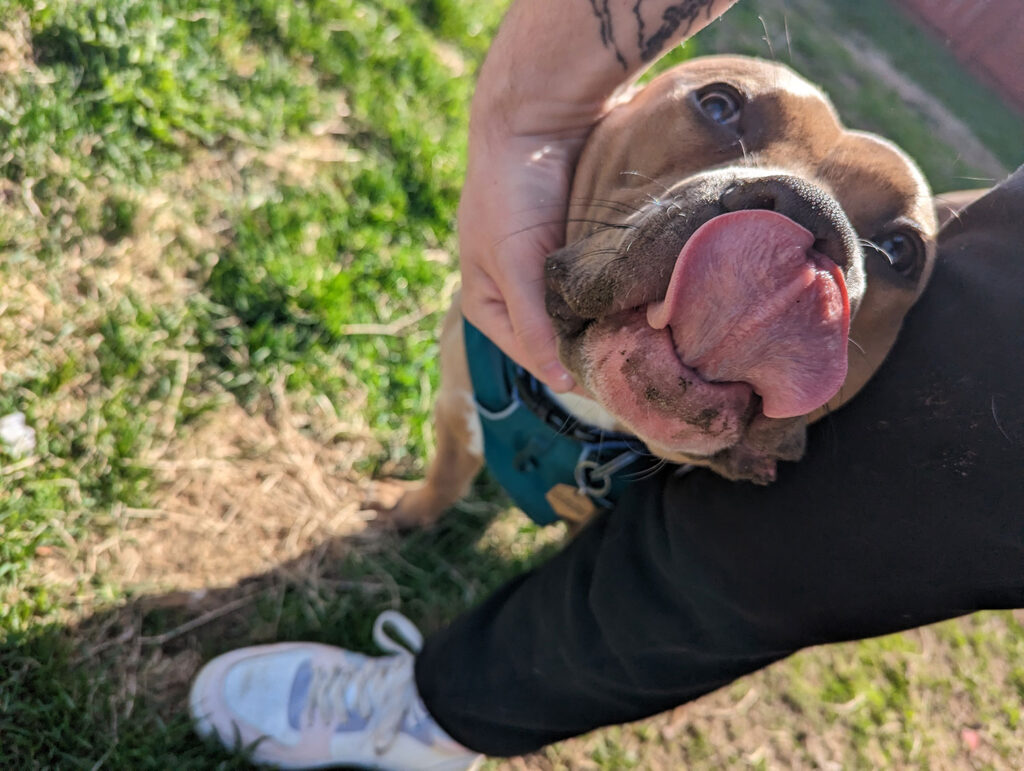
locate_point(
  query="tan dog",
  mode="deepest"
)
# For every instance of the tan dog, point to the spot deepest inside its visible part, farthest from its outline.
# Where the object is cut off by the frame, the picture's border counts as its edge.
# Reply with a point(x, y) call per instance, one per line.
point(727, 238)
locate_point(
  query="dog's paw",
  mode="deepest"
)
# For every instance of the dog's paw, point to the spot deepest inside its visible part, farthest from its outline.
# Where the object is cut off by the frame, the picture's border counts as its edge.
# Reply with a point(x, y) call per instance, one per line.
point(402, 505)
point(384, 494)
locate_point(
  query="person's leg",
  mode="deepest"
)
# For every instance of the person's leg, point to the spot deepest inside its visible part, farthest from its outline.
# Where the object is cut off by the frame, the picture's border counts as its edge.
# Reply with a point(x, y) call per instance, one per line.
point(908, 508)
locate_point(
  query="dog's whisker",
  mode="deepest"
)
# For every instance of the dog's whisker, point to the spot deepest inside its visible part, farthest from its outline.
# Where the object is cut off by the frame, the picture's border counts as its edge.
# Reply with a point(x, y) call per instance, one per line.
point(616, 225)
point(767, 38)
point(603, 225)
point(875, 248)
point(598, 252)
point(647, 473)
point(568, 426)
point(613, 205)
point(954, 214)
point(604, 202)
point(655, 201)
point(595, 231)
point(858, 346)
point(610, 206)
point(789, 42)
point(743, 150)
point(546, 223)
point(634, 173)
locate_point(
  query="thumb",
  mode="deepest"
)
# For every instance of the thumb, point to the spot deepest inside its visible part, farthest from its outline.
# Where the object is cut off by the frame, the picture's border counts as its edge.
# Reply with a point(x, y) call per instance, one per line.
point(535, 337)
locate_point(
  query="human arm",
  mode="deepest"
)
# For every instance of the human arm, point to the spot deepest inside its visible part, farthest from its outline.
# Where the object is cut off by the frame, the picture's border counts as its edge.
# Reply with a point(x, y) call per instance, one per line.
point(553, 71)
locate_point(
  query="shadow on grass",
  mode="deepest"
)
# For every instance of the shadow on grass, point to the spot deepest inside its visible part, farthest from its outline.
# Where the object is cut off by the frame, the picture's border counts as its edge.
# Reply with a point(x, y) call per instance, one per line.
point(110, 691)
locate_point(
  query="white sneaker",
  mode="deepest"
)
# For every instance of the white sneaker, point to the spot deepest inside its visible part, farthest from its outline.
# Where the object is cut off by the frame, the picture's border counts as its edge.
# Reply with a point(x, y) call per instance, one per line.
point(305, 705)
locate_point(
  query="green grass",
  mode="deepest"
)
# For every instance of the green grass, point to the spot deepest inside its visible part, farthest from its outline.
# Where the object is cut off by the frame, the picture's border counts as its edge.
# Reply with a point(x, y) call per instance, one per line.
point(208, 204)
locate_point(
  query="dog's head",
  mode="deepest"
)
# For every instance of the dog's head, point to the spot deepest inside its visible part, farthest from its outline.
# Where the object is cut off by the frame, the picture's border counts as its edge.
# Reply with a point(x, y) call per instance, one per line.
point(737, 262)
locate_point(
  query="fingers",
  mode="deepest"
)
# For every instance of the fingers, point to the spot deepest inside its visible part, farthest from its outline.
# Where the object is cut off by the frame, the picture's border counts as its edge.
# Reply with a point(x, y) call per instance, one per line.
point(536, 337)
point(516, 323)
point(486, 310)
point(511, 216)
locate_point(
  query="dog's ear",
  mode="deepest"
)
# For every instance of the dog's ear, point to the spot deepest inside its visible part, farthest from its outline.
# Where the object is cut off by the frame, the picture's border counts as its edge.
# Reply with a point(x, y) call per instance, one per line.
point(947, 205)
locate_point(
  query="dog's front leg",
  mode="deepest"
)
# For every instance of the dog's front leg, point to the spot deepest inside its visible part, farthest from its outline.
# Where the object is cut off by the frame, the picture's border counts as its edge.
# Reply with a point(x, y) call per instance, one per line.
point(459, 452)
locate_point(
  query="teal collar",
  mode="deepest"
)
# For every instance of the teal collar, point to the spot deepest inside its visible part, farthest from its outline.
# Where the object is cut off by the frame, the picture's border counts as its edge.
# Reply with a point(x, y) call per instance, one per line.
point(532, 444)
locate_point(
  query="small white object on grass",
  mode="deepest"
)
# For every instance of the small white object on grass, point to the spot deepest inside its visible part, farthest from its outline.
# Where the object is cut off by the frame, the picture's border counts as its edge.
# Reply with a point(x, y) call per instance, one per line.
point(17, 438)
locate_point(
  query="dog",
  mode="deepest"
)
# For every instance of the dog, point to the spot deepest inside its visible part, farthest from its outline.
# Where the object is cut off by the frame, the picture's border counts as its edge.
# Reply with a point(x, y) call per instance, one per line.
point(737, 265)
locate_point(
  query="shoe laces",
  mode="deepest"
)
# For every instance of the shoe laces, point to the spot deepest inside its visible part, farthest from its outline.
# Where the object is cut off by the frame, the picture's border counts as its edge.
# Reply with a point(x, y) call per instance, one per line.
point(381, 691)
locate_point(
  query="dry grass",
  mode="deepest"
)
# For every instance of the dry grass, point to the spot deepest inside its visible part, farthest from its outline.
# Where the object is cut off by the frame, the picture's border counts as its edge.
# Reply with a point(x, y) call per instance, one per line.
point(246, 504)
point(239, 496)
point(244, 494)
point(239, 493)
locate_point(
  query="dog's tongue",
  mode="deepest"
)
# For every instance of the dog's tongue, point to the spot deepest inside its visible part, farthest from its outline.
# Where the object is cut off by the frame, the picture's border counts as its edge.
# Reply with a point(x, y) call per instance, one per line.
point(751, 301)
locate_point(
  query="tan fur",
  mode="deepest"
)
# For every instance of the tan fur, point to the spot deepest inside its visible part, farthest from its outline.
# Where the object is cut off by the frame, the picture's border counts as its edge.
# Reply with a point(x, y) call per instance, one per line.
point(650, 150)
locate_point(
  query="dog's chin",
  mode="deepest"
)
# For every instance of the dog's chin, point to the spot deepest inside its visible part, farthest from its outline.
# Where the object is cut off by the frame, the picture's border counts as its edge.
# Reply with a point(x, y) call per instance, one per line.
point(634, 372)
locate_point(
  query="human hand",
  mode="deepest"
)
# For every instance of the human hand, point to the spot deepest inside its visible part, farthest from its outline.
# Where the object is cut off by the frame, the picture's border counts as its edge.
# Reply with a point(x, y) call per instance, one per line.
point(511, 216)
point(536, 101)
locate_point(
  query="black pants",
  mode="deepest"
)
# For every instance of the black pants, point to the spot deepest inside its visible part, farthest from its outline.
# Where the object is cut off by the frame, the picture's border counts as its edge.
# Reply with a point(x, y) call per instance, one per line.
point(908, 509)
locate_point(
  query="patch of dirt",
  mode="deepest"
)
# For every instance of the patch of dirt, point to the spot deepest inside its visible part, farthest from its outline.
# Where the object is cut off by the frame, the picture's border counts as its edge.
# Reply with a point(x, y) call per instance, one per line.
point(240, 496)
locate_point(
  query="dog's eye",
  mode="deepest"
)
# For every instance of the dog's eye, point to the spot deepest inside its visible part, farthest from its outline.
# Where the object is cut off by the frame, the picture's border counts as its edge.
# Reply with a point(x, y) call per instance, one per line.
point(903, 250)
point(720, 102)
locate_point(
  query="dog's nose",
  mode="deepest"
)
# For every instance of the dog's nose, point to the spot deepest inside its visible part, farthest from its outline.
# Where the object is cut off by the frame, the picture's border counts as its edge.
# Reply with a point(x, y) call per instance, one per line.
point(804, 203)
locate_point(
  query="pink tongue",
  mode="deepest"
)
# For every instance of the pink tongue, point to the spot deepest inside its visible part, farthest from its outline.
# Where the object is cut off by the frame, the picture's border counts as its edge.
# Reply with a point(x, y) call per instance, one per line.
point(750, 301)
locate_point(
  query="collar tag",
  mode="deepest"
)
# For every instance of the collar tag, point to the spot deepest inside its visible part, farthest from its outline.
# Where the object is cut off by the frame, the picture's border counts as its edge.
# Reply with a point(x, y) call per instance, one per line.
point(570, 503)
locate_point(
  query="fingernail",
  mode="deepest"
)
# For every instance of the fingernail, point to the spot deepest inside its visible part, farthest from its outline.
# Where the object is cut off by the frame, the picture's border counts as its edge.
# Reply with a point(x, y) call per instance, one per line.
point(557, 379)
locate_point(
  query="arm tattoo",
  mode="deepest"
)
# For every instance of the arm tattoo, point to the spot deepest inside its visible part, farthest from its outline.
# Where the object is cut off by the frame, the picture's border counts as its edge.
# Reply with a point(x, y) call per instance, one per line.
point(604, 16)
point(639, 25)
point(671, 19)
